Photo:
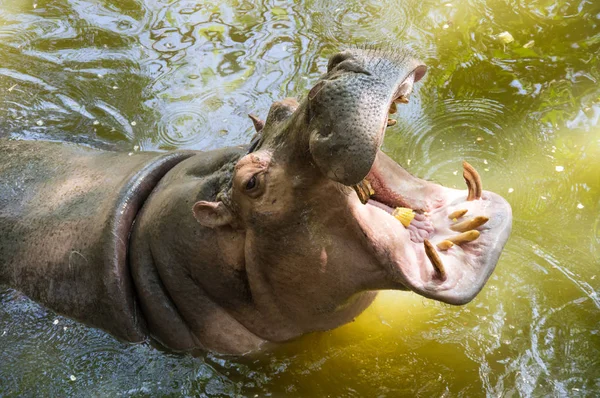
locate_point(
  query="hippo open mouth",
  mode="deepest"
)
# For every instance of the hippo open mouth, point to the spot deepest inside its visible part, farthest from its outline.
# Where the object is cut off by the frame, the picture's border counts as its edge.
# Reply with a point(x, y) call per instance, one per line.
point(452, 239)
point(441, 243)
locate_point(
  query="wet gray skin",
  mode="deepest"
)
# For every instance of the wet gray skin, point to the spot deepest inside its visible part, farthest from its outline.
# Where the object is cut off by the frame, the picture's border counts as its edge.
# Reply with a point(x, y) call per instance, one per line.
point(232, 249)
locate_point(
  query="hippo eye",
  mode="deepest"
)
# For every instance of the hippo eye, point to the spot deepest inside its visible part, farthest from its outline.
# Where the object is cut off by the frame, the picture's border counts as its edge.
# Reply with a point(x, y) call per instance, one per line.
point(251, 183)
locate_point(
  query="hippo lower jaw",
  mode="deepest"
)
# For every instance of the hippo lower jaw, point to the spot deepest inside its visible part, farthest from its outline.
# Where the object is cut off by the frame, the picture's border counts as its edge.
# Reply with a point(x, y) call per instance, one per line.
point(466, 266)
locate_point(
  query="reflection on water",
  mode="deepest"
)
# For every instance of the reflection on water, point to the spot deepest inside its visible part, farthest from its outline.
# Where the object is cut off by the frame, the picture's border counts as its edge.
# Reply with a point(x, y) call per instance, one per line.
point(184, 74)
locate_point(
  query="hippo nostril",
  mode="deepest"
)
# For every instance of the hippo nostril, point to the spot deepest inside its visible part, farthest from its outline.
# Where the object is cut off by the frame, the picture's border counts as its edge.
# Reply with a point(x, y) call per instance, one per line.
point(337, 59)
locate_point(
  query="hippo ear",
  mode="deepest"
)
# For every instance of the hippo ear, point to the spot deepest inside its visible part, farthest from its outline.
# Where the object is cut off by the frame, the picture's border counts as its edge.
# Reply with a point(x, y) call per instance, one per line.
point(212, 214)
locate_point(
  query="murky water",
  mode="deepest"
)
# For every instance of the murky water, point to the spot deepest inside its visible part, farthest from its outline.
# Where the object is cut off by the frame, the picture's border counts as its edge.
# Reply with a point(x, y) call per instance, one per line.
point(183, 74)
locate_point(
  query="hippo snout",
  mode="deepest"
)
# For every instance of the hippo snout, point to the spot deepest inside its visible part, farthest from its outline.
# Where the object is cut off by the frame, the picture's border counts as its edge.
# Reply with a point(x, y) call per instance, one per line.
point(349, 107)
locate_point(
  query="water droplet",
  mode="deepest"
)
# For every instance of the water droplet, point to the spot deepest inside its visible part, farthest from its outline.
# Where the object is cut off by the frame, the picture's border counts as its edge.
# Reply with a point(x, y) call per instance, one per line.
point(55, 322)
point(72, 377)
point(510, 190)
point(559, 168)
point(580, 206)
point(39, 123)
point(133, 123)
point(96, 122)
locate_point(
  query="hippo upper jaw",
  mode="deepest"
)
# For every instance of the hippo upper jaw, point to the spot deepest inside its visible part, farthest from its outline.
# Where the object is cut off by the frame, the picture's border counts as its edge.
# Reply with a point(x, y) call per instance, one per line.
point(348, 109)
point(465, 267)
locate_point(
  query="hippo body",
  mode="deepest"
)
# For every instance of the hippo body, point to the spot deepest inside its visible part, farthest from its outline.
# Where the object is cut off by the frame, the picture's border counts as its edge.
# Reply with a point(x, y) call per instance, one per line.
point(69, 205)
point(230, 249)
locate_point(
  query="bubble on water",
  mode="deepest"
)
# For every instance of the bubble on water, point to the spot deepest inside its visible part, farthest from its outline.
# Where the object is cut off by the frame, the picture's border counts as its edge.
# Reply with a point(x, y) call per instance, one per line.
point(580, 206)
point(72, 377)
point(559, 168)
point(39, 123)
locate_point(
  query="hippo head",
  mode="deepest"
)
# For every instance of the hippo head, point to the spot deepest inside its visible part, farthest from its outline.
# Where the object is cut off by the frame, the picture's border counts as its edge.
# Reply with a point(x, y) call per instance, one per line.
point(325, 218)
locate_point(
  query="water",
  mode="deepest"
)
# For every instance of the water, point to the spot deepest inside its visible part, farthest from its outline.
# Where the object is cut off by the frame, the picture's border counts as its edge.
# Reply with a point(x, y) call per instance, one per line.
point(162, 75)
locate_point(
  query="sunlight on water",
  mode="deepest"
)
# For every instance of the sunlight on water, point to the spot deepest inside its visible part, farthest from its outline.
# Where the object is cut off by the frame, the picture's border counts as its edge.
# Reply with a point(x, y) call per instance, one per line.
point(184, 74)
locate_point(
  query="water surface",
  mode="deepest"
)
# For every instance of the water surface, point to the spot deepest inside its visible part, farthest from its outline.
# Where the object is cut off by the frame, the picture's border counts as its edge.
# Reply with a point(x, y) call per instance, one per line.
point(159, 75)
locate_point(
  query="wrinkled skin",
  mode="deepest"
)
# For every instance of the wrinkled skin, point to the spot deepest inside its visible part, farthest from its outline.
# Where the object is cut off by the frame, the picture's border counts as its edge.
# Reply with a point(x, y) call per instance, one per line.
point(229, 249)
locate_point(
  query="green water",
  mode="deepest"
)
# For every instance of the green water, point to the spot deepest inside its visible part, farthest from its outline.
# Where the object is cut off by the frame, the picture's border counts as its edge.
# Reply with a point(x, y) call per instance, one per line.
point(132, 76)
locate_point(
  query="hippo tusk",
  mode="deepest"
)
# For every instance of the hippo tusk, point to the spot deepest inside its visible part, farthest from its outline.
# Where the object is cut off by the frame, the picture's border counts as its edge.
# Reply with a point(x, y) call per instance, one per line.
point(364, 190)
point(468, 225)
point(465, 237)
point(455, 215)
point(473, 181)
point(435, 259)
point(445, 245)
point(393, 108)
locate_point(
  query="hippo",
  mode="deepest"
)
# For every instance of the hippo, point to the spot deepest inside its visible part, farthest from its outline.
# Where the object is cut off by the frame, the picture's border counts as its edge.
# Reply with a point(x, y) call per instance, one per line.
point(231, 250)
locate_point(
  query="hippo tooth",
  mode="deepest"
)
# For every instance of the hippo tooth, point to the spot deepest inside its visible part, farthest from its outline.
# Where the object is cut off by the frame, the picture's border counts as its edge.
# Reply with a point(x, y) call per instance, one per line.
point(468, 225)
point(455, 215)
point(473, 181)
point(401, 100)
point(465, 237)
point(391, 122)
point(435, 259)
point(393, 108)
point(364, 190)
point(404, 215)
point(445, 245)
